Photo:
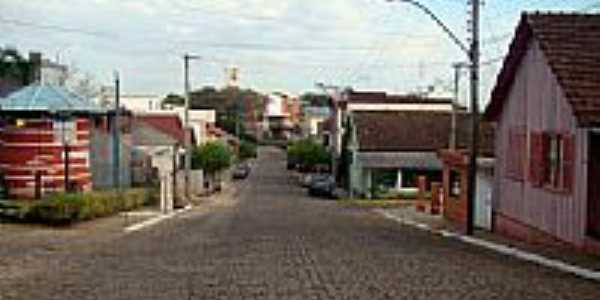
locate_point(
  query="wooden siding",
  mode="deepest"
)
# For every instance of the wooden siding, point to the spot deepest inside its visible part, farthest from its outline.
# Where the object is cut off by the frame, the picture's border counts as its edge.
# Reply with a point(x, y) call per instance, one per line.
point(537, 102)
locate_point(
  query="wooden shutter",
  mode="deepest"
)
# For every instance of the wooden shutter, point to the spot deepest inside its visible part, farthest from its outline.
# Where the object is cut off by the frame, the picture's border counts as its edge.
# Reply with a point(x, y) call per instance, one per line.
point(568, 163)
point(544, 160)
point(536, 159)
point(510, 155)
point(522, 153)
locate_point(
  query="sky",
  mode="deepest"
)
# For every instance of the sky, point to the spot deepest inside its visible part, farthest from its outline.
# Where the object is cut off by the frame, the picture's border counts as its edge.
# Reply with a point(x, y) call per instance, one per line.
point(277, 45)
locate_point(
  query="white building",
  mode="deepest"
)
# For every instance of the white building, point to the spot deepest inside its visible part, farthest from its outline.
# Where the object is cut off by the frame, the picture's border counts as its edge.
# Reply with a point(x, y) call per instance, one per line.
point(53, 73)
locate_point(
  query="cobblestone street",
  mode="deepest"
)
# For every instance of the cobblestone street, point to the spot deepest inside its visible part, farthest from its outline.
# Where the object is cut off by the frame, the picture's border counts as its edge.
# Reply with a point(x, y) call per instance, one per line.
point(273, 242)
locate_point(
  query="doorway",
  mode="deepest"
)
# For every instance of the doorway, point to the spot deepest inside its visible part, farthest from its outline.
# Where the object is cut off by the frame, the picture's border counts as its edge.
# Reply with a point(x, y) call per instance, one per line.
point(593, 216)
point(483, 200)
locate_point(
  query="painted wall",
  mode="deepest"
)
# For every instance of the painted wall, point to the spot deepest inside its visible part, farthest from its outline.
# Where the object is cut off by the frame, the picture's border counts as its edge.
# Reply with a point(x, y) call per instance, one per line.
point(101, 159)
point(537, 103)
point(35, 148)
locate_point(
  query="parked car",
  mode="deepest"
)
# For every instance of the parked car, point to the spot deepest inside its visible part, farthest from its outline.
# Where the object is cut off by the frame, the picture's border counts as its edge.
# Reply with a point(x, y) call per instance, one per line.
point(241, 171)
point(322, 185)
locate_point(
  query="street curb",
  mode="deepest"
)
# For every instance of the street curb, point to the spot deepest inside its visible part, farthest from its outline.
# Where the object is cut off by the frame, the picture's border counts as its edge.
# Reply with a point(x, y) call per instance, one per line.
point(500, 248)
point(155, 220)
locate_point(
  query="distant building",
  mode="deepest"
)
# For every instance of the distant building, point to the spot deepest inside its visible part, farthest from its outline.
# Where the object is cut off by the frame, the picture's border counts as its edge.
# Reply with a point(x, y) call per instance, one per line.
point(312, 118)
point(349, 102)
point(389, 150)
point(282, 115)
point(53, 73)
point(136, 103)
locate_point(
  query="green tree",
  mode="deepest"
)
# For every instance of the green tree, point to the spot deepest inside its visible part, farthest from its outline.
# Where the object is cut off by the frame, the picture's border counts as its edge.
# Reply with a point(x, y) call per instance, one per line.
point(14, 67)
point(212, 157)
point(308, 154)
point(173, 99)
point(313, 99)
point(247, 150)
point(231, 104)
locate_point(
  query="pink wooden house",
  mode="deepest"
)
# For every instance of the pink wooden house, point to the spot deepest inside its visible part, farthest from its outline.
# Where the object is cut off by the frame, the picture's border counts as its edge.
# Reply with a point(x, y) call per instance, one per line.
point(546, 103)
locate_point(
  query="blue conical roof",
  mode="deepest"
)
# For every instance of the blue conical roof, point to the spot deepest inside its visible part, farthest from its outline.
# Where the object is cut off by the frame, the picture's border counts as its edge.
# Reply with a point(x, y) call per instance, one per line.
point(48, 98)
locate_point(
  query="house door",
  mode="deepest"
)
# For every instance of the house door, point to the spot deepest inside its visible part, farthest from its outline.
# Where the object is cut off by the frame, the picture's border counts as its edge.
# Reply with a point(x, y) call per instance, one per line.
point(483, 202)
point(593, 222)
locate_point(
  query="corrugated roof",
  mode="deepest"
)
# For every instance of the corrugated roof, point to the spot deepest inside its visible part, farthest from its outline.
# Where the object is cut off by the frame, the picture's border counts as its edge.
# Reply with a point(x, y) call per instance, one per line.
point(47, 98)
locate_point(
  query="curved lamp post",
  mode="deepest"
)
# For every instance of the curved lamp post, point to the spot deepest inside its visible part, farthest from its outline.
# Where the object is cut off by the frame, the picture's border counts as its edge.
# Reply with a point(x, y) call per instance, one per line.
point(473, 54)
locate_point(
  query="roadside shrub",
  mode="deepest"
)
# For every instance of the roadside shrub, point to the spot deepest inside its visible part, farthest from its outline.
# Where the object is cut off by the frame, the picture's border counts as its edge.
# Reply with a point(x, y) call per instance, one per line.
point(247, 150)
point(65, 208)
point(308, 154)
point(212, 157)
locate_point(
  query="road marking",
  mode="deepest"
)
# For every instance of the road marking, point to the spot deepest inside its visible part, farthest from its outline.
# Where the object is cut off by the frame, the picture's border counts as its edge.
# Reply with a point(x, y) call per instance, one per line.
point(155, 220)
point(500, 248)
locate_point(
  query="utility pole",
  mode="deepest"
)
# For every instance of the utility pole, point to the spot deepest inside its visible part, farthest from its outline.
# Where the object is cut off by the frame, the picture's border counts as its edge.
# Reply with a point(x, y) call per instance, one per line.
point(116, 138)
point(186, 117)
point(474, 56)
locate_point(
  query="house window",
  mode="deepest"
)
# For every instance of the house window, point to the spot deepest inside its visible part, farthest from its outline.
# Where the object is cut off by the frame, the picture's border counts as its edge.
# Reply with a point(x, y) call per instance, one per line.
point(455, 184)
point(552, 160)
point(516, 158)
point(64, 131)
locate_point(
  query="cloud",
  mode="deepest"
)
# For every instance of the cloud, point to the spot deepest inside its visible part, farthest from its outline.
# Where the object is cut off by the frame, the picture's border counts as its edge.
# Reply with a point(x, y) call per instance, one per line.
point(278, 44)
point(143, 7)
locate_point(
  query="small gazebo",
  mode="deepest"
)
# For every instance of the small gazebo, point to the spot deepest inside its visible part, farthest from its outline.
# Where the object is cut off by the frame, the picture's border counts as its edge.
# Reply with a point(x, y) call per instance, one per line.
point(45, 140)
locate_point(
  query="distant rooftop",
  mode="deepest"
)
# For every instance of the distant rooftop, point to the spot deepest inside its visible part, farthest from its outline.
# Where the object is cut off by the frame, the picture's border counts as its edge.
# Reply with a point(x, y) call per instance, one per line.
point(47, 98)
point(384, 98)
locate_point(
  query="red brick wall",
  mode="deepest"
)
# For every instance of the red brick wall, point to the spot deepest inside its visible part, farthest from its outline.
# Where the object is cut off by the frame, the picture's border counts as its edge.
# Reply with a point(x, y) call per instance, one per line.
point(455, 208)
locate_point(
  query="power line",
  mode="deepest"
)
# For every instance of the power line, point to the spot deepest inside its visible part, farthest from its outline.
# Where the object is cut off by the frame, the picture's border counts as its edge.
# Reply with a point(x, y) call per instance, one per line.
point(56, 28)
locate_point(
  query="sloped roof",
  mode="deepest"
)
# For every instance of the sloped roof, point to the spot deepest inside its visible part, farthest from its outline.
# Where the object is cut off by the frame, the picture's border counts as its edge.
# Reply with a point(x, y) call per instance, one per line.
point(407, 130)
point(570, 43)
point(169, 124)
point(384, 98)
point(144, 134)
point(412, 131)
point(47, 98)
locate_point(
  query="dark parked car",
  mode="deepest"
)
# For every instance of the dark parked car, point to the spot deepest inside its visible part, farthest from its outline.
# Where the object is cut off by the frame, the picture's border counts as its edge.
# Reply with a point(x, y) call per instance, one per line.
point(241, 171)
point(322, 185)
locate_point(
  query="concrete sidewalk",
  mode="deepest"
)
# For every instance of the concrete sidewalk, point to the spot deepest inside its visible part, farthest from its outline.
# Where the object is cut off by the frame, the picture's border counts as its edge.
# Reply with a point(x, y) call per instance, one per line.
point(566, 260)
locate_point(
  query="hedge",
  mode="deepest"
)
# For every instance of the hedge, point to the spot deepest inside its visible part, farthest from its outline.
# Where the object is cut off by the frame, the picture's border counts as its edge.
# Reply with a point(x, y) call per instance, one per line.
point(66, 208)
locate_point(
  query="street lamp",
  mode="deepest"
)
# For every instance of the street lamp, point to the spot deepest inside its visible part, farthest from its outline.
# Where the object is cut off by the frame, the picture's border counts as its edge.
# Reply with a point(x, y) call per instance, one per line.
point(473, 54)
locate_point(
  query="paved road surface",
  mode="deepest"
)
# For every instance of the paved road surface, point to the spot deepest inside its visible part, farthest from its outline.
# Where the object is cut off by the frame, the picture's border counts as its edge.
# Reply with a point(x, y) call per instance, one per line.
point(273, 242)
